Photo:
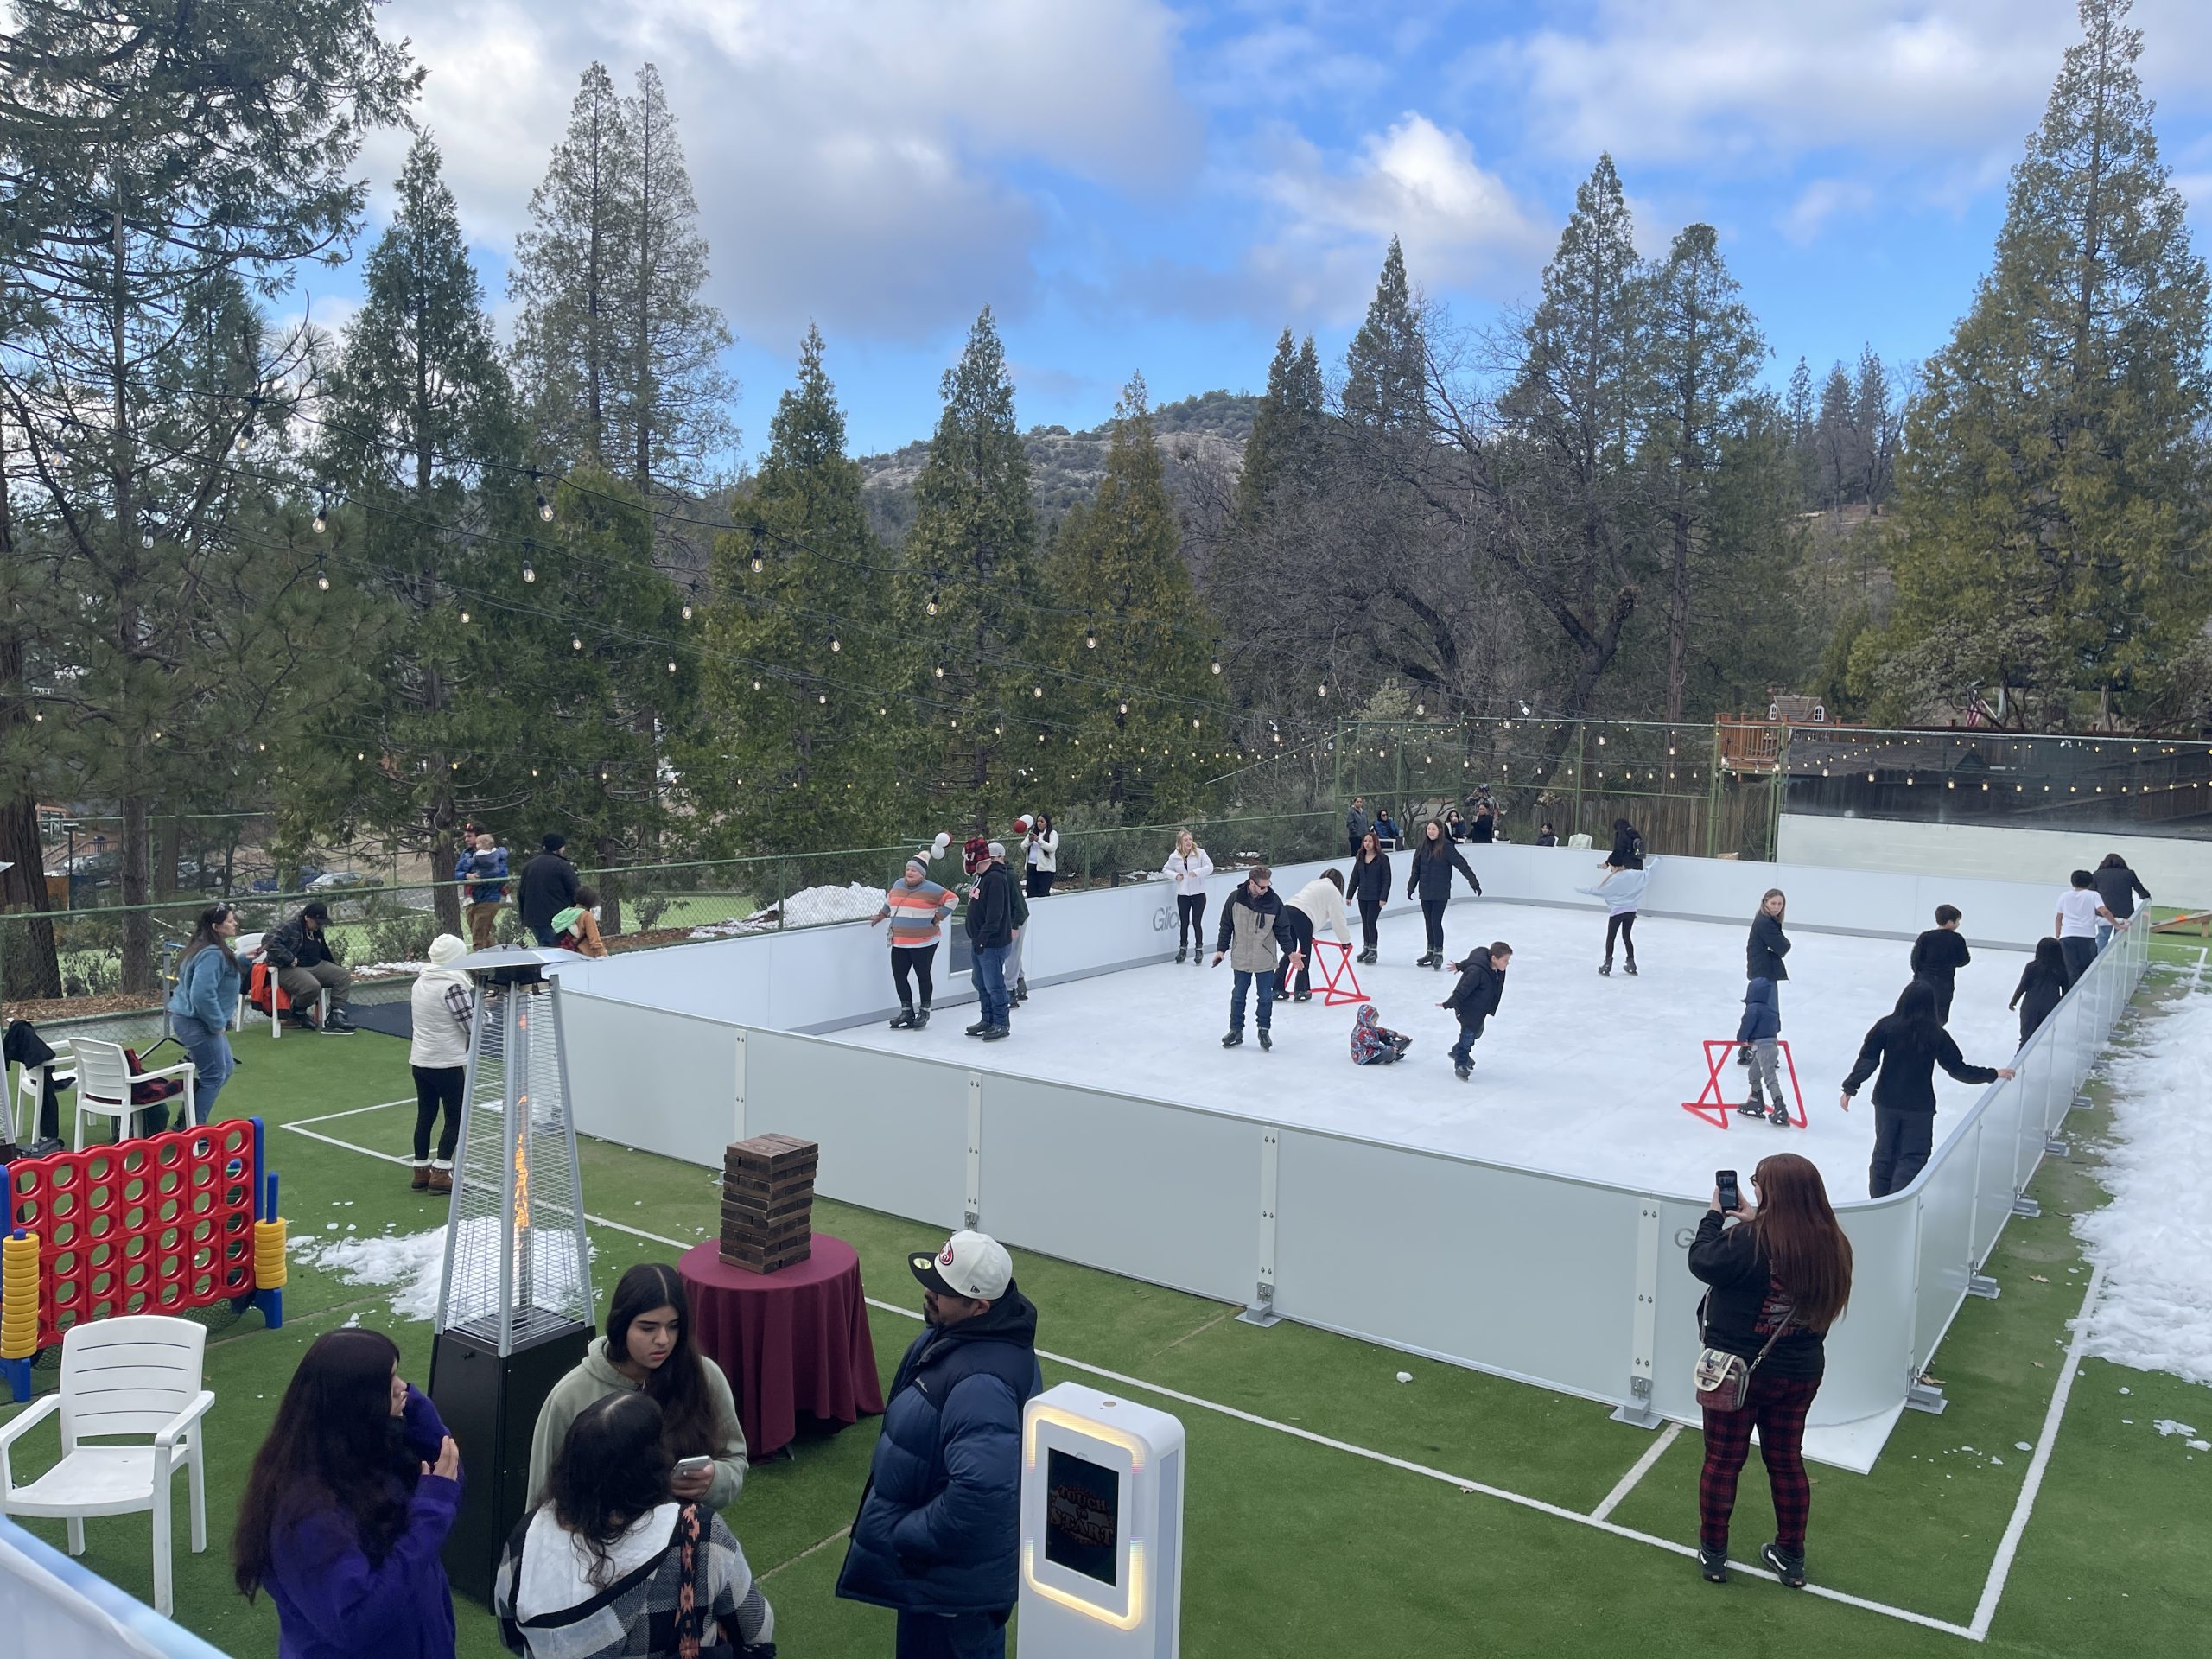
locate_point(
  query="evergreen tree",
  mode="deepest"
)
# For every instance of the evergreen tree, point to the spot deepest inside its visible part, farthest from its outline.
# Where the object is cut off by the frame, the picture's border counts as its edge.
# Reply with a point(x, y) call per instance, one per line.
point(1798, 409)
point(2051, 479)
point(1289, 433)
point(1386, 367)
point(1134, 682)
point(1837, 439)
point(1700, 350)
point(972, 555)
point(817, 755)
point(1872, 412)
point(419, 437)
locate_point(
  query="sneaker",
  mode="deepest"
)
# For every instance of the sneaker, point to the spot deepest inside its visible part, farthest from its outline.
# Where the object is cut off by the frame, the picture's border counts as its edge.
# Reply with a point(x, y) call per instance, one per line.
point(1266, 1042)
point(921, 1017)
point(905, 1021)
point(1779, 1117)
point(46, 1145)
point(1788, 1566)
point(1713, 1564)
point(1752, 1108)
point(998, 1033)
point(1235, 1040)
point(1463, 1071)
point(979, 1028)
point(337, 1026)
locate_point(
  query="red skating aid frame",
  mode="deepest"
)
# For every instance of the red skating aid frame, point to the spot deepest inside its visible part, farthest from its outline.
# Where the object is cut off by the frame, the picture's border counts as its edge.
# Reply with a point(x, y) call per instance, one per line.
point(1333, 981)
point(1711, 1107)
point(156, 1225)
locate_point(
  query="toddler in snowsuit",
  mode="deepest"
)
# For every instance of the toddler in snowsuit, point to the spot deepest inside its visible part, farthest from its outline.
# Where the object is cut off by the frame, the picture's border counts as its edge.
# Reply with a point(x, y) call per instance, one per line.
point(1756, 1035)
point(1373, 1045)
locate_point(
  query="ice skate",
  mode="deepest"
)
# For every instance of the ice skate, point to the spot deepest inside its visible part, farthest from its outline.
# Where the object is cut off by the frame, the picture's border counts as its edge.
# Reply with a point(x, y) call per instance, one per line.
point(1427, 959)
point(1303, 997)
point(1752, 1108)
point(1713, 1564)
point(1266, 1042)
point(1021, 990)
point(905, 1021)
point(1779, 1117)
point(1631, 969)
point(921, 1016)
point(1400, 1045)
point(1605, 969)
point(1463, 1070)
point(997, 1033)
point(1438, 963)
point(1181, 951)
point(979, 1028)
point(1235, 1040)
point(1789, 1565)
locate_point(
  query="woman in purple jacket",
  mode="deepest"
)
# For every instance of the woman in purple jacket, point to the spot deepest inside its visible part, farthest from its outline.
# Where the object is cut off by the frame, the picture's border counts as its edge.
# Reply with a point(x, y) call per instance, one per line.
point(347, 1506)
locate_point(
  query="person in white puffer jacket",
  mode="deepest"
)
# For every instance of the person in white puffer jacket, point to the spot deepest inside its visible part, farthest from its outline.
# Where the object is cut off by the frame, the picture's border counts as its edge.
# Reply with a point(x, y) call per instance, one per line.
point(1188, 866)
point(441, 1008)
point(1318, 904)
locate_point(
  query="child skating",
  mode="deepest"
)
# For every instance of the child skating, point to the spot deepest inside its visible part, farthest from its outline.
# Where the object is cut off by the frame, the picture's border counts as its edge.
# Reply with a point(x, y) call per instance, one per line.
point(1372, 1045)
point(1474, 999)
point(1758, 1033)
point(1621, 887)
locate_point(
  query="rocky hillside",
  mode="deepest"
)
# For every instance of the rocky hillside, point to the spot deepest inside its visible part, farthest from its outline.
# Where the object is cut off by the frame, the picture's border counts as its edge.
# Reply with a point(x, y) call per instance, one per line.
point(1202, 437)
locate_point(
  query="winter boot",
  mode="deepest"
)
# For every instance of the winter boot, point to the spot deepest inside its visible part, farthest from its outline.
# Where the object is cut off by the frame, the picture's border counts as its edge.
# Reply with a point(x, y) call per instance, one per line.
point(1266, 1042)
point(921, 1016)
point(905, 1021)
point(422, 1181)
point(1181, 951)
point(1789, 1565)
point(1235, 1040)
point(1605, 969)
point(440, 1180)
point(979, 1028)
point(1713, 1564)
point(1752, 1108)
point(1779, 1117)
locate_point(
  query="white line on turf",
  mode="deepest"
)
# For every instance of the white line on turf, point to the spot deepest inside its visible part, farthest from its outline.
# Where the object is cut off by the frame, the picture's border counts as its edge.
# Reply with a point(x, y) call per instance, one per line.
point(350, 1111)
point(1642, 1467)
point(1985, 1611)
point(1558, 1512)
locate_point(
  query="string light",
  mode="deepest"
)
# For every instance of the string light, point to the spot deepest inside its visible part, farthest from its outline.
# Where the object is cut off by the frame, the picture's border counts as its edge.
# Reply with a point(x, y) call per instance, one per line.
point(544, 508)
point(323, 518)
point(836, 643)
point(759, 562)
point(529, 571)
point(464, 616)
point(575, 642)
point(1089, 637)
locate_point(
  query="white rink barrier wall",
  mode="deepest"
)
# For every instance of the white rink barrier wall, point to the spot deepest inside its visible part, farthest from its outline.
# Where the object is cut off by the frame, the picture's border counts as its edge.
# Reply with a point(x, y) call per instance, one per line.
point(2175, 868)
point(676, 1052)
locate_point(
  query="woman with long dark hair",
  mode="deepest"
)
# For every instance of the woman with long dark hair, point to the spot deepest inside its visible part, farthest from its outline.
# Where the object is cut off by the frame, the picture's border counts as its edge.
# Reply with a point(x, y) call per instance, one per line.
point(2043, 983)
point(1908, 1046)
point(1779, 1280)
point(347, 1506)
point(200, 1007)
point(648, 1349)
point(1368, 887)
point(610, 1565)
point(1434, 859)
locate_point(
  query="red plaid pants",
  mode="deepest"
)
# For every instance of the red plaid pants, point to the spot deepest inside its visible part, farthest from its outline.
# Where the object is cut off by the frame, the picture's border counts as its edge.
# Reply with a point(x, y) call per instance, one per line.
point(1777, 1406)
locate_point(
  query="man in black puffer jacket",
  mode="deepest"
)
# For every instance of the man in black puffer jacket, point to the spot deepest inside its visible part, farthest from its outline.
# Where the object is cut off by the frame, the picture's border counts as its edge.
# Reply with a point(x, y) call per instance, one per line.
point(938, 1526)
point(1908, 1045)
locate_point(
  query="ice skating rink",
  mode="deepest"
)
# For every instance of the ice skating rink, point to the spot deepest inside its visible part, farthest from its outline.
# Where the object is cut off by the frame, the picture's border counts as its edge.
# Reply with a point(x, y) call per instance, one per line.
point(1576, 1075)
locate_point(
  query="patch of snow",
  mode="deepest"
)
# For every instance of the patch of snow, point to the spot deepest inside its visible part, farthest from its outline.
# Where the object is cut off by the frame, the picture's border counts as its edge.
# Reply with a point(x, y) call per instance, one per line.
point(2168, 1425)
point(2154, 1239)
point(807, 907)
point(389, 969)
point(412, 1263)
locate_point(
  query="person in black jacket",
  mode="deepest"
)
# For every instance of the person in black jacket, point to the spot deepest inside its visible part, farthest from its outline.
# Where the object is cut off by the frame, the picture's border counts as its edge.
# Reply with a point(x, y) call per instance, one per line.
point(548, 887)
point(304, 958)
point(1779, 1279)
point(2043, 983)
point(1435, 858)
point(1474, 999)
point(1763, 951)
point(1483, 829)
point(1628, 847)
point(1937, 955)
point(2117, 886)
point(1908, 1045)
point(990, 927)
point(1368, 887)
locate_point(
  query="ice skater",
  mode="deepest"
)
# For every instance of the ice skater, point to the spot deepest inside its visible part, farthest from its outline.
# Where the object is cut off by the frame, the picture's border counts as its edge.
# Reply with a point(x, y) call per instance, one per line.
point(2120, 888)
point(1908, 1046)
point(2082, 909)
point(1372, 1045)
point(1320, 903)
point(1760, 1030)
point(1188, 866)
point(1621, 887)
point(916, 908)
point(1434, 859)
point(1763, 951)
point(2043, 983)
point(1369, 889)
point(1474, 999)
point(1252, 929)
point(1628, 847)
point(1937, 956)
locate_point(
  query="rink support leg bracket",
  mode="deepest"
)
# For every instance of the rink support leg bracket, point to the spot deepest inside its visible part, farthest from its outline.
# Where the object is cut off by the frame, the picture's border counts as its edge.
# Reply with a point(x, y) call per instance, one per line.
point(1923, 1395)
point(1981, 1285)
point(1260, 1310)
point(2025, 1207)
point(2057, 1147)
point(973, 1209)
point(1643, 1331)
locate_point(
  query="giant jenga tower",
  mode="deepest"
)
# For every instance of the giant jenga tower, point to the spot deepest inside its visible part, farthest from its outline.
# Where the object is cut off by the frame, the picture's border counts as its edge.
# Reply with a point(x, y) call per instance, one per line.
point(768, 1202)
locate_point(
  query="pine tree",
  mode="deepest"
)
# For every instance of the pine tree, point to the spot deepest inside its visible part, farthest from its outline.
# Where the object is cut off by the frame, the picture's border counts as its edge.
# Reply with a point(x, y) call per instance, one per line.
point(817, 755)
point(2051, 480)
point(972, 555)
point(1798, 409)
point(1135, 694)
point(1700, 350)
point(1838, 440)
point(1289, 429)
point(1386, 378)
point(419, 437)
point(1872, 413)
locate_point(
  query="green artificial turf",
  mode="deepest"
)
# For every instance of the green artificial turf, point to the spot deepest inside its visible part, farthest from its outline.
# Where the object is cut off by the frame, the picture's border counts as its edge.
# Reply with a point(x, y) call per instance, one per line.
point(1297, 1548)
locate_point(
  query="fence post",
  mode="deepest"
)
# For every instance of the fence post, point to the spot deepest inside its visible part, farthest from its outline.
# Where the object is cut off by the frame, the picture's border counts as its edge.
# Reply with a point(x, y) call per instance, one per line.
point(1578, 730)
point(1712, 801)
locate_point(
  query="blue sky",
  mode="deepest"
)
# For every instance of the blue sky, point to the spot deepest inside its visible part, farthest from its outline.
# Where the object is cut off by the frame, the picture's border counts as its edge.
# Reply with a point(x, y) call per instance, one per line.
point(1132, 185)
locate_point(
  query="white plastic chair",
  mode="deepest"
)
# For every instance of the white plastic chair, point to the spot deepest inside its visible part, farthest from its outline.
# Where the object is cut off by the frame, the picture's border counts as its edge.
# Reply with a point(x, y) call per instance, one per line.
point(138, 1375)
point(103, 1081)
point(30, 1090)
point(1579, 842)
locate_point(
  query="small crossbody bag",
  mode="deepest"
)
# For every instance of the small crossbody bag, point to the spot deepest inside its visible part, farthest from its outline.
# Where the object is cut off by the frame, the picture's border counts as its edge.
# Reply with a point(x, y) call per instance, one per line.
point(1724, 1379)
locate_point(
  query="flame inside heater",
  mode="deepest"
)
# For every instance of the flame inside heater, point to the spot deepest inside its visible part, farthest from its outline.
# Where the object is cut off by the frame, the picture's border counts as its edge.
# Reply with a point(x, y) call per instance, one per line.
point(522, 1178)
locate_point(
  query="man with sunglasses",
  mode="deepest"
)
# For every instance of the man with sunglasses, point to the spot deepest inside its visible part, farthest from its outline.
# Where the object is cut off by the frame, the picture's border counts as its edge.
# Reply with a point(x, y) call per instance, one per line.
point(1252, 932)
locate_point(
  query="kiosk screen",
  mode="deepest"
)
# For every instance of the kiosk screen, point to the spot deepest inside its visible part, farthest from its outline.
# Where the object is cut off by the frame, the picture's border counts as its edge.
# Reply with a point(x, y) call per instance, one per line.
point(1083, 1516)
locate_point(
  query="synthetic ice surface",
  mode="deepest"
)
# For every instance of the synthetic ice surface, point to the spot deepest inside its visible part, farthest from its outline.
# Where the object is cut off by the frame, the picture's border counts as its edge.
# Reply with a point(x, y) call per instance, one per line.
point(1575, 1074)
point(2154, 1239)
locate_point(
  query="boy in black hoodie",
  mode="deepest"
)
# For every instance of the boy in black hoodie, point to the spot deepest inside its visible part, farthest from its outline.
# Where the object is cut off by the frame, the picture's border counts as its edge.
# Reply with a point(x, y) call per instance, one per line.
point(1908, 1045)
point(1937, 955)
point(1474, 999)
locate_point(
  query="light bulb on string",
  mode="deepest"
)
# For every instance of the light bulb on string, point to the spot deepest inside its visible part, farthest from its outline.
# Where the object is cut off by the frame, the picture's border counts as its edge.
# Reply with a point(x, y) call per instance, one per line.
point(323, 518)
point(694, 593)
point(836, 643)
point(1036, 692)
point(938, 671)
point(464, 616)
point(575, 642)
point(1089, 637)
point(529, 571)
point(758, 562)
point(544, 508)
point(321, 577)
point(671, 665)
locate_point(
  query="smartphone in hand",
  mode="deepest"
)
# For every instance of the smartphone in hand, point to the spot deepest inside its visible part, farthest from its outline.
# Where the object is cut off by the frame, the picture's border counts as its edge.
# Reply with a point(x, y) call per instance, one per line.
point(1730, 1198)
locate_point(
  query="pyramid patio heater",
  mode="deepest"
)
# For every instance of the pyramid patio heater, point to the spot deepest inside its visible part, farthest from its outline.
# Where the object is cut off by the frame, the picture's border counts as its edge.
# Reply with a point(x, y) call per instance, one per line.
point(514, 1307)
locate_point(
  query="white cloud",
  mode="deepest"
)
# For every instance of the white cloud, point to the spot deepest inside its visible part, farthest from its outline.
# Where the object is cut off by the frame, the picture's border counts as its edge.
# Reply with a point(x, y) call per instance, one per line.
point(1819, 202)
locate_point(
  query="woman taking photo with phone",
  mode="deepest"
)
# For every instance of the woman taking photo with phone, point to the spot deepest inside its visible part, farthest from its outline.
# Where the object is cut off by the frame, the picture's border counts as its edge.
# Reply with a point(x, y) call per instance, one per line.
point(346, 1509)
point(647, 1349)
point(1778, 1279)
point(611, 1564)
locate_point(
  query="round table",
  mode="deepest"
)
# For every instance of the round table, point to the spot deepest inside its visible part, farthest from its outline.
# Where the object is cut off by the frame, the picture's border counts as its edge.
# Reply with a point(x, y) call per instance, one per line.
point(794, 1340)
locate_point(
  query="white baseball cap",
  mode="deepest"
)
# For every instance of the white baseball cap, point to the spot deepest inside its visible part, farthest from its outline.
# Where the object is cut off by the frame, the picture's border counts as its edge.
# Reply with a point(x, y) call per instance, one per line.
point(971, 1264)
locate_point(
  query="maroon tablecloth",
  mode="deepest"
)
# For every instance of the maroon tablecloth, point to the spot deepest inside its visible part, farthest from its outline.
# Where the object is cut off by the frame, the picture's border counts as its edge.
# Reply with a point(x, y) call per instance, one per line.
point(790, 1341)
